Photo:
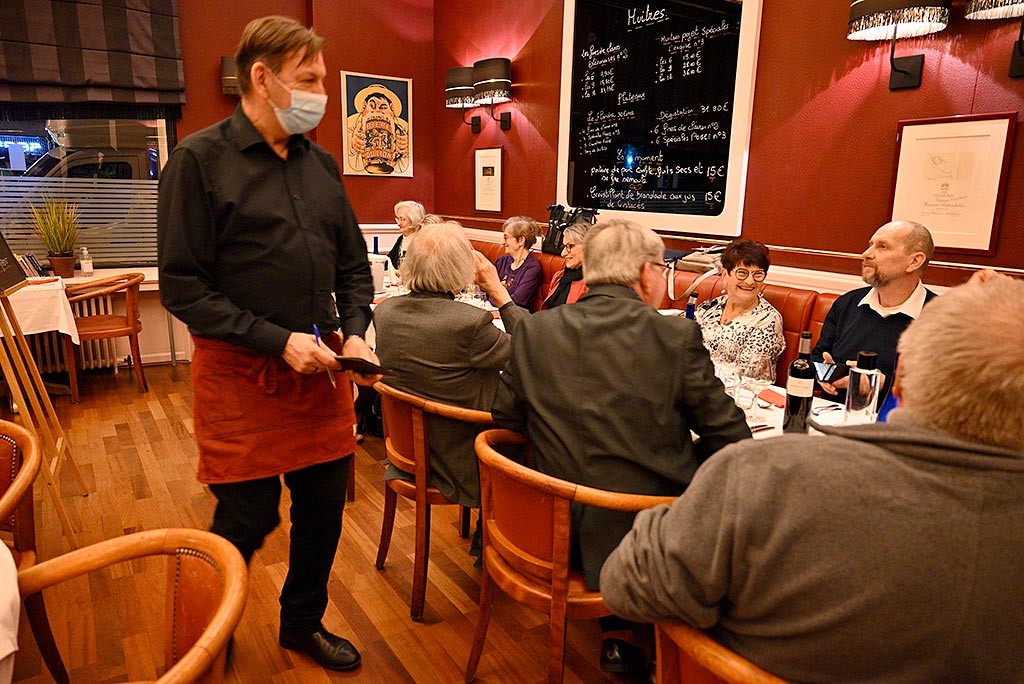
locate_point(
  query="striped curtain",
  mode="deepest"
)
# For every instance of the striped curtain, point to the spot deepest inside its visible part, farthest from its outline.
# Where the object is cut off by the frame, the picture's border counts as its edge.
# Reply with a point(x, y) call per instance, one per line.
point(95, 51)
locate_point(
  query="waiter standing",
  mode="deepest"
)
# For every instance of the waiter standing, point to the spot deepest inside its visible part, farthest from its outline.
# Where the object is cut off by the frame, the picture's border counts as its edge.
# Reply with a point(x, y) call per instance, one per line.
point(255, 236)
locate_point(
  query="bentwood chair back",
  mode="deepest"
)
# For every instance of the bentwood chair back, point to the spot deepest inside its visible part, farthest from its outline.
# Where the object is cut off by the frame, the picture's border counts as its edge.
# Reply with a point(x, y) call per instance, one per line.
point(689, 656)
point(101, 324)
point(527, 538)
point(204, 598)
point(407, 443)
point(20, 460)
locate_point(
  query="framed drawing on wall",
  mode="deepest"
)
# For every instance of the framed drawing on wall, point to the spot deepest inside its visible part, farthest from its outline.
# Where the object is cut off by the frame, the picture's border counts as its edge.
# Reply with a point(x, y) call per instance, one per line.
point(376, 134)
point(487, 176)
point(950, 175)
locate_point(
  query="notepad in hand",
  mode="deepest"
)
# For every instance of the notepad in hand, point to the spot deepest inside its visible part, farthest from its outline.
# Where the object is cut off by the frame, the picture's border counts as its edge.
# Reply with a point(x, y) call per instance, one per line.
point(361, 366)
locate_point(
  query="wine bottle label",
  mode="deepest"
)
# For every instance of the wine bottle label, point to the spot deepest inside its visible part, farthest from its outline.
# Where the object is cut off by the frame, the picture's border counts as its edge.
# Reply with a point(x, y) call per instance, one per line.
point(800, 387)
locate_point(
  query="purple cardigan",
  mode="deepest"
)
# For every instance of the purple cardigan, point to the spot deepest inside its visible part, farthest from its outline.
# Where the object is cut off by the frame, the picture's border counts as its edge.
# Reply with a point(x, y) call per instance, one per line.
point(522, 284)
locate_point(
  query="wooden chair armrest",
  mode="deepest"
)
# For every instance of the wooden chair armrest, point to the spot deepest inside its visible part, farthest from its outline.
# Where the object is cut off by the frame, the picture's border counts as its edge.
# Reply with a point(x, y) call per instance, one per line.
point(77, 292)
point(706, 653)
point(120, 549)
point(31, 460)
point(438, 408)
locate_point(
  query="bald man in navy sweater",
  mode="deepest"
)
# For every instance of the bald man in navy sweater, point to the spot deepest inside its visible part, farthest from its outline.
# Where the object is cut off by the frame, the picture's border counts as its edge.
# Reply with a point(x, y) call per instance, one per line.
point(873, 318)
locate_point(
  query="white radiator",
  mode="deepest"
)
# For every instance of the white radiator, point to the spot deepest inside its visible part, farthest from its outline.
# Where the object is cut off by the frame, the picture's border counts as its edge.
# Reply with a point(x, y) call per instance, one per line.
point(48, 349)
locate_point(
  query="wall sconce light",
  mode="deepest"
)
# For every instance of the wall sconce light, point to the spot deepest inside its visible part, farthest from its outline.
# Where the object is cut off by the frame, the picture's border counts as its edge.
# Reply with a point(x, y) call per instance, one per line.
point(458, 93)
point(892, 19)
point(228, 76)
point(492, 84)
point(1002, 9)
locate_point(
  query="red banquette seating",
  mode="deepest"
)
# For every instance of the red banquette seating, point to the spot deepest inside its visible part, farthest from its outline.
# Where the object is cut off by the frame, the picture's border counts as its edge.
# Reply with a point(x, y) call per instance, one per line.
point(801, 309)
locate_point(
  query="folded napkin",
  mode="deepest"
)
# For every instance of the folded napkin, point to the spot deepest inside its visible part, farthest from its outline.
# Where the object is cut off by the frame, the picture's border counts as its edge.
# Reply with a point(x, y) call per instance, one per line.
point(773, 397)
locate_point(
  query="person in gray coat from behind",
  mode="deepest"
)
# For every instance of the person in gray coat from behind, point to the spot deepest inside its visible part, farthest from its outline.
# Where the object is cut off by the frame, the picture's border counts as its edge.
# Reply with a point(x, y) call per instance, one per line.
point(446, 350)
point(890, 552)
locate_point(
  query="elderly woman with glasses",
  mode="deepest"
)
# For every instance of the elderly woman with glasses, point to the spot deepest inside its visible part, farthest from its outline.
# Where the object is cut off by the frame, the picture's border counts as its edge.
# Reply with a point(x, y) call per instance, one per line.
point(567, 285)
point(408, 215)
point(741, 323)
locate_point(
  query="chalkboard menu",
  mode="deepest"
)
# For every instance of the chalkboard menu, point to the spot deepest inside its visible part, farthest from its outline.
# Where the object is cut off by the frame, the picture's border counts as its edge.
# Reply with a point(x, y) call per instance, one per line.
point(10, 272)
point(651, 101)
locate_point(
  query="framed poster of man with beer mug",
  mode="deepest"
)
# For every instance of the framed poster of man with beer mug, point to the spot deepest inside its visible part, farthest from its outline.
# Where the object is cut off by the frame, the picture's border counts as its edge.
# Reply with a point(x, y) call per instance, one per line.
point(377, 131)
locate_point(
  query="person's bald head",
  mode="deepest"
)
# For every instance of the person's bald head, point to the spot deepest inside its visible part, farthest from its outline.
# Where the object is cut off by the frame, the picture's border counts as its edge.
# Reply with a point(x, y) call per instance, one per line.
point(898, 249)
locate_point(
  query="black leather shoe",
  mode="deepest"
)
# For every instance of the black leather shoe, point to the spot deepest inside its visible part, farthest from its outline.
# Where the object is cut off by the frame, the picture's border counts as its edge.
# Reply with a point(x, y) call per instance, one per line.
point(476, 544)
point(622, 657)
point(328, 650)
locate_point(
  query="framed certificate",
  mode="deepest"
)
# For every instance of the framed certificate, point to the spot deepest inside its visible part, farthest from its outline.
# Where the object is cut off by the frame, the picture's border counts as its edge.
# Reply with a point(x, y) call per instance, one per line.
point(950, 176)
point(487, 174)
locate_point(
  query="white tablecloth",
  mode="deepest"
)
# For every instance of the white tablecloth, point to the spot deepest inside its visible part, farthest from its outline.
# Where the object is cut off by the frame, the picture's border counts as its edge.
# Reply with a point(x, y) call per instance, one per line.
point(42, 306)
point(830, 413)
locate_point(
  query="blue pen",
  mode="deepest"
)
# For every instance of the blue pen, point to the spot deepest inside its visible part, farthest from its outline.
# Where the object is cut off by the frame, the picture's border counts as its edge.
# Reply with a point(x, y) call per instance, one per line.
point(330, 375)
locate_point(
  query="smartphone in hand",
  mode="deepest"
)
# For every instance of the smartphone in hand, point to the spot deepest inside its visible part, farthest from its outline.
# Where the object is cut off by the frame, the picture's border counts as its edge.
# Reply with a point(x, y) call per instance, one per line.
point(830, 372)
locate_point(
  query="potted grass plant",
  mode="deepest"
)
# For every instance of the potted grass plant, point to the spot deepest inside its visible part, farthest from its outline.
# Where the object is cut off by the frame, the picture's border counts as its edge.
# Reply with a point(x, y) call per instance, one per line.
point(55, 223)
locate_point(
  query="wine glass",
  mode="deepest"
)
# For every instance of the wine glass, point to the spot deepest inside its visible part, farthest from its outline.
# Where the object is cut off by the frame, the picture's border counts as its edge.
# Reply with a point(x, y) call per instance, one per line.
point(756, 374)
point(470, 294)
point(725, 357)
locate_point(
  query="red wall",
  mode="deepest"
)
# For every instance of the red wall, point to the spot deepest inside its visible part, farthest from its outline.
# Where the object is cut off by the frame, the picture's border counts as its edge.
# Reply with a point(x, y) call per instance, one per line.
point(823, 130)
point(387, 38)
point(531, 37)
point(824, 127)
point(210, 30)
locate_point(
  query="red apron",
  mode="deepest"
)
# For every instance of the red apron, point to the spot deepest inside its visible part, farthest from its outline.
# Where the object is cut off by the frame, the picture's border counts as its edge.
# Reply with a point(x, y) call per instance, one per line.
point(255, 417)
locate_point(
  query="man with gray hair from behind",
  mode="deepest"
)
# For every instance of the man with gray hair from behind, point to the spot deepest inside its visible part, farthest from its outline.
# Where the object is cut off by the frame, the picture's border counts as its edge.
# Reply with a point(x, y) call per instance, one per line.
point(608, 391)
point(876, 553)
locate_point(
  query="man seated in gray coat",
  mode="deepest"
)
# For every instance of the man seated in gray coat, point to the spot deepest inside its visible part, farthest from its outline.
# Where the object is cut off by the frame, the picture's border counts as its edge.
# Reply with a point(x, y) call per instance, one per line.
point(445, 350)
point(890, 552)
point(608, 390)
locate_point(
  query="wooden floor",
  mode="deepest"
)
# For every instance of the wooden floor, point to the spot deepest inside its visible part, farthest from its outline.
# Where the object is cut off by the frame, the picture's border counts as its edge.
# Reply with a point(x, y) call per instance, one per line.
point(137, 454)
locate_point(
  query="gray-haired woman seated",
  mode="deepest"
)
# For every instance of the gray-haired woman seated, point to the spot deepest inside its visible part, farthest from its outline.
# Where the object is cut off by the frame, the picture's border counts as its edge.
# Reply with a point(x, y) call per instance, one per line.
point(408, 215)
point(446, 350)
point(567, 286)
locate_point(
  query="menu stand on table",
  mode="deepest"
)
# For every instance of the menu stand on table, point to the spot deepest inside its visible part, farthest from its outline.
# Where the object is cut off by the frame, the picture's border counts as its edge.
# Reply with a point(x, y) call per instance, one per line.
point(37, 412)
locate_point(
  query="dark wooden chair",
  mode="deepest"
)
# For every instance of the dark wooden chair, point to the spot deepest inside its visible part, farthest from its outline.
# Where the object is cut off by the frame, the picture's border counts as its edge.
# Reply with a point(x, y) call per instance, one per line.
point(20, 460)
point(689, 656)
point(527, 538)
point(204, 600)
point(407, 444)
point(103, 324)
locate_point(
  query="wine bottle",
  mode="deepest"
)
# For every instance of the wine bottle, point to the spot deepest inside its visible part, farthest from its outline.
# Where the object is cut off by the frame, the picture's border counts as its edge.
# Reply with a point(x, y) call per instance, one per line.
point(799, 388)
point(691, 306)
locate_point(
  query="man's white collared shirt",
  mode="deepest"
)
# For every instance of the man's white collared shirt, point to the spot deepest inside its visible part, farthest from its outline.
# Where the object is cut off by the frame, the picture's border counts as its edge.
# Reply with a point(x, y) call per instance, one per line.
point(911, 307)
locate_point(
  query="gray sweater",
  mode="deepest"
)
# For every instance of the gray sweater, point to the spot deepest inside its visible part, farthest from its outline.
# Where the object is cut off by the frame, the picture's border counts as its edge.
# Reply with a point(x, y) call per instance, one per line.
point(879, 553)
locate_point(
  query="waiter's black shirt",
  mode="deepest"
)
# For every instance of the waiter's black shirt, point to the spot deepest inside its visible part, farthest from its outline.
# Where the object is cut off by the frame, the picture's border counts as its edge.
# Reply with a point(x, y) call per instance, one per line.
point(251, 246)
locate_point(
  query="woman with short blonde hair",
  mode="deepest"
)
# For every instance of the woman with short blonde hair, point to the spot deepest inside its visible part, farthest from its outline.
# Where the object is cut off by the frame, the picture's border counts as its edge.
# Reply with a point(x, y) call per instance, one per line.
point(520, 272)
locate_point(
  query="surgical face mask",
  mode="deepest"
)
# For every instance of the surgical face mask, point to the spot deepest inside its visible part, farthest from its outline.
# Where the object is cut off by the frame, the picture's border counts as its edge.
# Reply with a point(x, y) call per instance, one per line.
point(304, 113)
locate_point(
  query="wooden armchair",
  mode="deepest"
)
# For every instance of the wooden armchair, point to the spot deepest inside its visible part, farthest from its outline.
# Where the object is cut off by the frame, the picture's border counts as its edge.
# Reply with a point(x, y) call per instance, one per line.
point(20, 460)
point(103, 325)
point(688, 655)
point(527, 538)
point(407, 443)
point(206, 590)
